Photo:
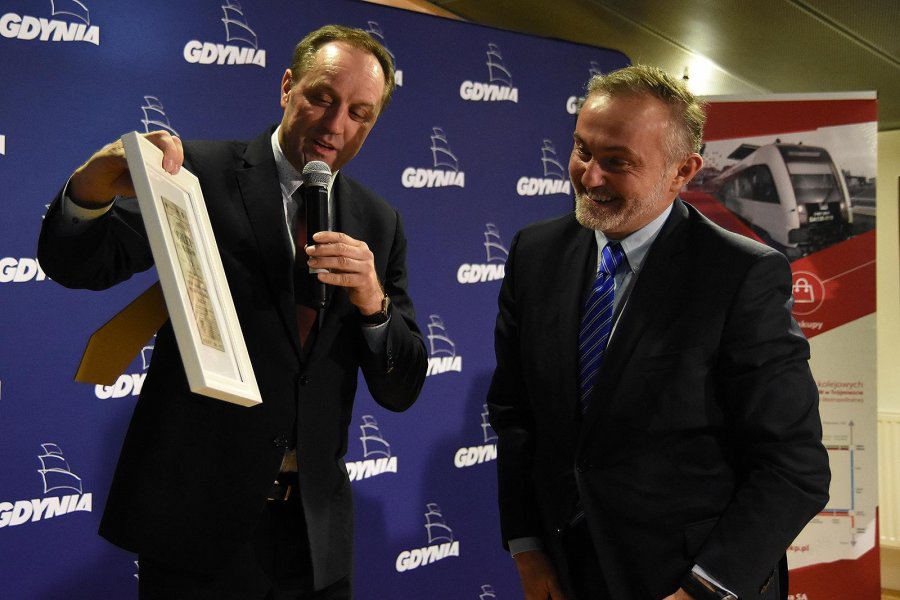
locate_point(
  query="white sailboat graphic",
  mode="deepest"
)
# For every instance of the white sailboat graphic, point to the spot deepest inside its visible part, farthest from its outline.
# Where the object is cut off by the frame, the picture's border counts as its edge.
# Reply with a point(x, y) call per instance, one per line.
point(497, 72)
point(71, 7)
point(236, 26)
point(437, 337)
point(487, 591)
point(438, 531)
point(375, 31)
point(373, 443)
point(493, 246)
point(155, 115)
point(553, 169)
point(489, 434)
point(147, 353)
point(55, 470)
point(440, 150)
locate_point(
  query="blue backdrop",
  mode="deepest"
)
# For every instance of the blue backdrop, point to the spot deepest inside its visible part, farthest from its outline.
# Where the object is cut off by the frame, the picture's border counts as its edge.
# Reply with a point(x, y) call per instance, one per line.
point(474, 147)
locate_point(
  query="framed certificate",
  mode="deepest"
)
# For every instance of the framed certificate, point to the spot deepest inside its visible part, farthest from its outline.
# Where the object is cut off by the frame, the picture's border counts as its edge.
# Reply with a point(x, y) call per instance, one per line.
point(193, 280)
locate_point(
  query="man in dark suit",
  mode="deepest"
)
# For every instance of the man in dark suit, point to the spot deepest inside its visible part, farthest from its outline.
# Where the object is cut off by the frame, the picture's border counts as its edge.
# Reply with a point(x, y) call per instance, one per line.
point(193, 492)
point(687, 461)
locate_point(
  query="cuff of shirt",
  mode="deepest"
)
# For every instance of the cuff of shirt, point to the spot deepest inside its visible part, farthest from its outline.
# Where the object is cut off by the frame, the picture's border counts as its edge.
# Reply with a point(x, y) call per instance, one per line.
point(376, 336)
point(526, 544)
point(699, 571)
point(74, 219)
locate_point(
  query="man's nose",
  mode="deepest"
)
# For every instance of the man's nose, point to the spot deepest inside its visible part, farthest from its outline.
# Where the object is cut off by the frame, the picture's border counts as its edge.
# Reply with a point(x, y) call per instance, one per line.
point(334, 119)
point(593, 175)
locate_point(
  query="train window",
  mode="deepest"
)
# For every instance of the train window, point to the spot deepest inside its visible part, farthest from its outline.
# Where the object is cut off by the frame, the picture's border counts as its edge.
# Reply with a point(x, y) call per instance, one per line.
point(814, 183)
point(815, 188)
point(755, 183)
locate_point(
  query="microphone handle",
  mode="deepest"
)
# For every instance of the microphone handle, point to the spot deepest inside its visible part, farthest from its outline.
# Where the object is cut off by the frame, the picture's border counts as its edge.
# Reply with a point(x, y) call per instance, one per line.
point(315, 201)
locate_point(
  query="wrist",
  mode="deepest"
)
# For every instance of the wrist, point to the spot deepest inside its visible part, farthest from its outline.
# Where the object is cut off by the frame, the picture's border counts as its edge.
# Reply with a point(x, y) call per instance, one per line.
point(379, 316)
point(700, 588)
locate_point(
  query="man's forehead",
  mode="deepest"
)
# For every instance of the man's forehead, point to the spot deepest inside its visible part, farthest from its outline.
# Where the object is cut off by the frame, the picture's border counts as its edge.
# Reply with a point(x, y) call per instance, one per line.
point(621, 115)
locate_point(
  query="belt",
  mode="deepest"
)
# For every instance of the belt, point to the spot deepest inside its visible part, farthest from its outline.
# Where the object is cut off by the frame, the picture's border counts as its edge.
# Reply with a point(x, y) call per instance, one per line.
point(283, 487)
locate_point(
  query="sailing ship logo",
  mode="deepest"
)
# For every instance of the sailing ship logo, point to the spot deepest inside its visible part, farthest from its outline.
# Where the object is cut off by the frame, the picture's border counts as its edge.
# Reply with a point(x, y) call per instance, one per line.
point(57, 477)
point(494, 267)
point(55, 471)
point(487, 431)
point(377, 458)
point(487, 592)
point(155, 117)
point(72, 8)
point(553, 169)
point(373, 443)
point(438, 531)
point(440, 151)
point(236, 26)
point(446, 166)
point(476, 455)
point(574, 102)
point(147, 354)
point(499, 86)
point(441, 543)
point(493, 245)
point(374, 29)
point(497, 72)
point(555, 179)
point(442, 356)
point(241, 47)
point(76, 28)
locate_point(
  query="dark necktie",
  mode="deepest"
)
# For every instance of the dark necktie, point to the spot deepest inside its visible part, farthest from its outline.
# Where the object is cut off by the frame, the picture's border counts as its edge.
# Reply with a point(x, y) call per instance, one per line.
point(306, 315)
point(596, 322)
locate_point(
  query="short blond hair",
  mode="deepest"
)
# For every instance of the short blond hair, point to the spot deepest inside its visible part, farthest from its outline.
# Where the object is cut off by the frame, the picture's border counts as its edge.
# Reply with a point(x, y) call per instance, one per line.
point(688, 111)
point(305, 53)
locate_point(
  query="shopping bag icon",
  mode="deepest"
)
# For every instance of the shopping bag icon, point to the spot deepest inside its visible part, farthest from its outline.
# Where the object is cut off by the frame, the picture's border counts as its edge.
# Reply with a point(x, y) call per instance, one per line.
point(803, 291)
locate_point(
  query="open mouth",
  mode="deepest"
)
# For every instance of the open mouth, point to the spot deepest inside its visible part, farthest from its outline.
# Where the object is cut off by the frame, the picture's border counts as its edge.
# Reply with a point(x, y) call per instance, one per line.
point(600, 198)
point(323, 147)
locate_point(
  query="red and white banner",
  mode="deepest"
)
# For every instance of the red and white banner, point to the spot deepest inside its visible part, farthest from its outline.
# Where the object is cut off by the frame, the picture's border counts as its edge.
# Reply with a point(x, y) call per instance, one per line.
point(798, 173)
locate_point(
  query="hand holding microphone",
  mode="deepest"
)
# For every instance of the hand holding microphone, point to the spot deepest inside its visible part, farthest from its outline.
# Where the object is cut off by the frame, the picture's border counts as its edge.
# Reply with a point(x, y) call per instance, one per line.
point(336, 258)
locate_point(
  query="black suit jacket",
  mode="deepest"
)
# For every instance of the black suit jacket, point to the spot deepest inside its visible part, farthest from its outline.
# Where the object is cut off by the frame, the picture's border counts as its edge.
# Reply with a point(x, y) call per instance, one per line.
point(703, 441)
point(194, 472)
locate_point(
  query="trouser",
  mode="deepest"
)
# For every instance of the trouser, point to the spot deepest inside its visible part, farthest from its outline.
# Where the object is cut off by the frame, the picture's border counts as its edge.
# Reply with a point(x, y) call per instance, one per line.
point(273, 565)
point(584, 571)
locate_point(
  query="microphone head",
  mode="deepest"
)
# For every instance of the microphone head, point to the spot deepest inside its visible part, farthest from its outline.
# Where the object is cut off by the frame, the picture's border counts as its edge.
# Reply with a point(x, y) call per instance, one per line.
point(315, 172)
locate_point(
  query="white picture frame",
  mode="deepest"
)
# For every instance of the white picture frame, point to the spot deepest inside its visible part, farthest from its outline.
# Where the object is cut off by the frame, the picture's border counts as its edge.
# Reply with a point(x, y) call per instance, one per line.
point(193, 280)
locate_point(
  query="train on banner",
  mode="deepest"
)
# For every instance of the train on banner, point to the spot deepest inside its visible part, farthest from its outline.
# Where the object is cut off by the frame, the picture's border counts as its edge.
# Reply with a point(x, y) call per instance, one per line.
point(473, 147)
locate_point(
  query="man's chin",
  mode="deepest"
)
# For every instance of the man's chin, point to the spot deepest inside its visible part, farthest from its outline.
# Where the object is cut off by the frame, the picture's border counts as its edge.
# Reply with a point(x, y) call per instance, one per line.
point(592, 216)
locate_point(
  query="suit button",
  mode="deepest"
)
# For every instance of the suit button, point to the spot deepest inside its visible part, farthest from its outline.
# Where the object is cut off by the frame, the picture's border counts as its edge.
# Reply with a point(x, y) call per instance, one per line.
point(281, 441)
point(304, 379)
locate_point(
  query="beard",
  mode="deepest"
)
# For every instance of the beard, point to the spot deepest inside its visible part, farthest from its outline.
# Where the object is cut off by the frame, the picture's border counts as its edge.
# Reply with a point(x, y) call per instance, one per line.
point(619, 214)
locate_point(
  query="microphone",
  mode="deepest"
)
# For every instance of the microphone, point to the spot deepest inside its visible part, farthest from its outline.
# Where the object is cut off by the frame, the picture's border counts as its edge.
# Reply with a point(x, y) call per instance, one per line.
point(316, 177)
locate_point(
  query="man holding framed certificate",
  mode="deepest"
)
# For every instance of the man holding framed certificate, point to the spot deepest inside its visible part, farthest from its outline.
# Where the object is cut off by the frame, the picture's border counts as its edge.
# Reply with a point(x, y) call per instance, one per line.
point(193, 494)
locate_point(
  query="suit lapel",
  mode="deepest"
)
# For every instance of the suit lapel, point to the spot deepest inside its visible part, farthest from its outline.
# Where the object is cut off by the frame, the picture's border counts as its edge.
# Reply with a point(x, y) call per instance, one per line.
point(566, 307)
point(261, 194)
point(657, 275)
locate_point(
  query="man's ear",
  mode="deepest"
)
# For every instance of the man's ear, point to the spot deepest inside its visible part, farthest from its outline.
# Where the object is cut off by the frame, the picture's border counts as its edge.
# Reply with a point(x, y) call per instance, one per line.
point(287, 82)
point(687, 169)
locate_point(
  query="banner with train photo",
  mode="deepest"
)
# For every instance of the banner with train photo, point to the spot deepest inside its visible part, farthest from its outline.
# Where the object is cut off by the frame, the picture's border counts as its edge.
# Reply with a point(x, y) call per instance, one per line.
point(797, 172)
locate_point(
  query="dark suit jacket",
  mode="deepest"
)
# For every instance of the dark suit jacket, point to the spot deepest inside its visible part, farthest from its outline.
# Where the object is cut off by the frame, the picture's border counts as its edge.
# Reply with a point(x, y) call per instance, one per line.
point(194, 472)
point(703, 441)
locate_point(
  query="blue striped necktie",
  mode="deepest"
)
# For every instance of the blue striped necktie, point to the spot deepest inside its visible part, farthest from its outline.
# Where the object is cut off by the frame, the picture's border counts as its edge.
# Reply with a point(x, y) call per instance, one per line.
point(596, 322)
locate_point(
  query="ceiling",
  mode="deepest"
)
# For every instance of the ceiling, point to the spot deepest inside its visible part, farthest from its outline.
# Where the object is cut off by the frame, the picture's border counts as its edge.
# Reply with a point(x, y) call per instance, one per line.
point(728, 46)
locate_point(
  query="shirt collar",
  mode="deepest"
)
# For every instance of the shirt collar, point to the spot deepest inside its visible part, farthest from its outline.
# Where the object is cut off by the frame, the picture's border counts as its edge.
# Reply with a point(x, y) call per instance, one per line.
point(636, 245)
point(288, 177)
